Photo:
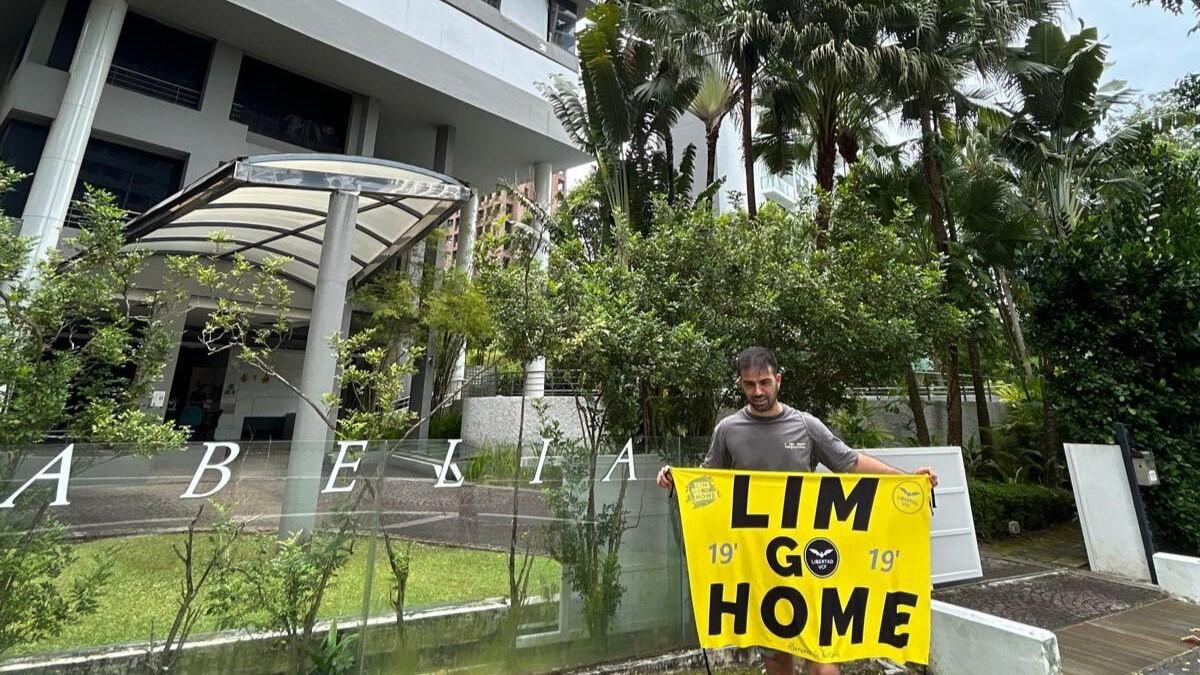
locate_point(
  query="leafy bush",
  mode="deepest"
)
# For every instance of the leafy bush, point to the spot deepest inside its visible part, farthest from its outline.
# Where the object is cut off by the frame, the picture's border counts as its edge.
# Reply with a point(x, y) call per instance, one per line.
point(1035, 507)
point(446, 424)
point(1117, 309)
point(856, 426)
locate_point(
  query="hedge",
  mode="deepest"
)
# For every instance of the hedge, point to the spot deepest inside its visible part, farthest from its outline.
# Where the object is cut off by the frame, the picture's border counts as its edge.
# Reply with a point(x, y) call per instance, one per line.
point(1033, 506)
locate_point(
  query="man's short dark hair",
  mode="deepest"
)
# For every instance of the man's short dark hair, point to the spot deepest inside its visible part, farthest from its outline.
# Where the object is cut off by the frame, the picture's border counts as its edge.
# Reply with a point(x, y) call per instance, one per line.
point(757, 358)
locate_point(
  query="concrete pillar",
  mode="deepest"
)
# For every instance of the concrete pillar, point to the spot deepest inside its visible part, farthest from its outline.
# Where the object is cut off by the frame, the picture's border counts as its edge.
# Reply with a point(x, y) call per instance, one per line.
point(320, 366)
point(151, 404)
point(364, 126)
point(465, 264)
point(535, 370)
point(58, 169)
point(422, 382)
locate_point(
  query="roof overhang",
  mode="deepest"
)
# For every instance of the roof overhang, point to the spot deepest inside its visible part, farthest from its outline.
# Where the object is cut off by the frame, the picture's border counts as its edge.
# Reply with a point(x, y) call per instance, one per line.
point(277, 205)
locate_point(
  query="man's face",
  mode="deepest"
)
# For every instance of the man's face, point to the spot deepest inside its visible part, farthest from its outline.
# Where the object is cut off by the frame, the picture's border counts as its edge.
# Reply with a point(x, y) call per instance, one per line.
point(761, 388)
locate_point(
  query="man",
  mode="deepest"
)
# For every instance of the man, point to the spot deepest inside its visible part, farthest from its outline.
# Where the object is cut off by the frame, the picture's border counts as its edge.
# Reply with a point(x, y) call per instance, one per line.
point(766, 435)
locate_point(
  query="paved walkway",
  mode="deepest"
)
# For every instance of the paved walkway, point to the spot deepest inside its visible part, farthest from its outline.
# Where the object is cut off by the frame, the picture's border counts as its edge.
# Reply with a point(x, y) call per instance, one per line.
point(1104, 626)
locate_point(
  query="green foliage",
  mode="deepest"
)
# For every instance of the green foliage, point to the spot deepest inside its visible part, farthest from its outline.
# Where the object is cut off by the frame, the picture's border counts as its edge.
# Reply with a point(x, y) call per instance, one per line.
point(446, 424)
point(1035, 507)
point(69, 339)
point(1117, 307)
point(35, 603)
point(333, 656)
point(855, 426)
point(282, 586)
point(585, 536)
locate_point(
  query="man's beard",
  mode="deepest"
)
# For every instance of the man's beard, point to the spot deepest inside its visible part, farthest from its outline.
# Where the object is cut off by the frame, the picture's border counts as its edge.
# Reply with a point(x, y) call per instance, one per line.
point(764, 405)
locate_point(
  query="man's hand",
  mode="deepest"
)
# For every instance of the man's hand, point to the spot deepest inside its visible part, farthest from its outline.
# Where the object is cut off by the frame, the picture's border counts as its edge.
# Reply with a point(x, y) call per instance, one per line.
point(928, 471)
point(665, 479)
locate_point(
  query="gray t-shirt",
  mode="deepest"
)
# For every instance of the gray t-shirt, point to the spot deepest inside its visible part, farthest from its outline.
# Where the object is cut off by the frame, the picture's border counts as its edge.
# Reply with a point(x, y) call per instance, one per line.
point(792, 441)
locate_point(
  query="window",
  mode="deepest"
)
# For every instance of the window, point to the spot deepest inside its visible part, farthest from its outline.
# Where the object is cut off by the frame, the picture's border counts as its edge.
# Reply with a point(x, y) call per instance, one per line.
point(144, 63)
point(564, 14)
point(291, 108)
point(137, 178)
point(67, 38)
point(21, 146)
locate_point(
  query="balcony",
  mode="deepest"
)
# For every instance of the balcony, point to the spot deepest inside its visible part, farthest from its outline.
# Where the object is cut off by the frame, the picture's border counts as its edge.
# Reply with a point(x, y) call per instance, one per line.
point(127, 78)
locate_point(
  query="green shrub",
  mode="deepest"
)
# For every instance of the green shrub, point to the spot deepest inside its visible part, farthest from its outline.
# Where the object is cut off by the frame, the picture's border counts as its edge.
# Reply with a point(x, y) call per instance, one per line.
point(1033, 506)
point(446, 424)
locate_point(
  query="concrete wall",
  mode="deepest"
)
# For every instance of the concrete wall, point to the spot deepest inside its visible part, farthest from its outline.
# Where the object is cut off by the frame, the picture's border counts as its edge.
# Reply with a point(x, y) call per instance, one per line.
point(1179, 575)
point(492, 420)
point(465, 37)
point(895, 417)
point(246, 395)
point(966, 641)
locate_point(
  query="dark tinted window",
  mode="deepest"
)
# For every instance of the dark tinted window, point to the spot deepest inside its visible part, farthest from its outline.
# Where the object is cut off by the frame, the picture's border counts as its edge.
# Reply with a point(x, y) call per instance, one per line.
point(564, 14)
point(289, 107)
point(68, 34)
point(160, 61)
point(21, 146)
point(137, 178)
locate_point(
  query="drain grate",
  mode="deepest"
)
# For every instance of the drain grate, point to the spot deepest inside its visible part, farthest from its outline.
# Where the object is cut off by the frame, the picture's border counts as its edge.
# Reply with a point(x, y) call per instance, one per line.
point(1052, 600)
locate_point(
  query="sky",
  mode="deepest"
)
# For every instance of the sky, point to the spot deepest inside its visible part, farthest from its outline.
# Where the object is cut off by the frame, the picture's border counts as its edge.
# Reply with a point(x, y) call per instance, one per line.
point(1148, 47)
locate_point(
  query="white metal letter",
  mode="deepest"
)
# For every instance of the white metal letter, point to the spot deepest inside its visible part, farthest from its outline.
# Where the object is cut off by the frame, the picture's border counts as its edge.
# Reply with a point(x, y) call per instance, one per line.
point(537, 475)
point(341, 463)
point(627, 453)
point(209, 449)
point(63, 476)
point(448, 466)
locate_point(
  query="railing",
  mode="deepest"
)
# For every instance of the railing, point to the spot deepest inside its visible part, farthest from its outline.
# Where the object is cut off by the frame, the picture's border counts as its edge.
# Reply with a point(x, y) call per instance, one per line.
point(76, 219)
point(933, 386)
point(127, 78)
point(493, 382)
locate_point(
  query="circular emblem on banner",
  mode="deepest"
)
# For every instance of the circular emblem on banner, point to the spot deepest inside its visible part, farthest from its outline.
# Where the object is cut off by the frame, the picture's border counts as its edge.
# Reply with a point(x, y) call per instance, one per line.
point(907, 497)
point(701, 492)
point(821, 557)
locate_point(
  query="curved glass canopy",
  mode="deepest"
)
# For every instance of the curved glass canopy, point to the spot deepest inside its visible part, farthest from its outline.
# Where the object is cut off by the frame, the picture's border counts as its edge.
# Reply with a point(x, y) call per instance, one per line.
point(278, 204)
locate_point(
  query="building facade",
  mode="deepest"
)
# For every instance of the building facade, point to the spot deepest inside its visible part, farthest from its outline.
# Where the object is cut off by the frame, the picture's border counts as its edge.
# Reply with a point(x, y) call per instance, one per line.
point(145, 97)
point(495, 216)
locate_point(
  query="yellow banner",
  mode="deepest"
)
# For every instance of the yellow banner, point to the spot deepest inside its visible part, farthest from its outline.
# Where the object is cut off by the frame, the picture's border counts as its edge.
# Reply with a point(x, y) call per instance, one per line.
point(827, 567)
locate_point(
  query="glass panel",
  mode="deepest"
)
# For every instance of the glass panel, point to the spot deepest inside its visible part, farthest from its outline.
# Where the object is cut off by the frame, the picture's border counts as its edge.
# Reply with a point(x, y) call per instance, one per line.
point(291, 108)
point(142, 64)
point(21, 145)
point(137, 178)
point(564, 14)
point(67, 37)
point(424, 575)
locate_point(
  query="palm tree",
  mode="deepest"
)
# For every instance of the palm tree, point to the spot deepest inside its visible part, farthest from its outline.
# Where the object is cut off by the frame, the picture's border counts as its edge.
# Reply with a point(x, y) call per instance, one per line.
point(1053, 138)
point(631, 99)
point(820, 96)
point(716, 97)
point(944, 41)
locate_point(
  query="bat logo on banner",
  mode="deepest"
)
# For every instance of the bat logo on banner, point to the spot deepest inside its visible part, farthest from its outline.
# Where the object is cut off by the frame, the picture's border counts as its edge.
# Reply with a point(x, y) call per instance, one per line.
point(821, 557)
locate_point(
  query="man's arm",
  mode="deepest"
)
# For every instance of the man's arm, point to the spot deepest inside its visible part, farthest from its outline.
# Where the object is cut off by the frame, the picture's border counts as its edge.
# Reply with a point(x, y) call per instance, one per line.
point(869, 464)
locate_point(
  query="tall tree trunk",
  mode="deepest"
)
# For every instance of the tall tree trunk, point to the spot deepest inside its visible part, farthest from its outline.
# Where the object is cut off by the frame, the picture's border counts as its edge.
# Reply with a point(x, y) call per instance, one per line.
point(669, 148)
point(982, 413)
point(746, 71)
point(1050, 446)
point(826, 164)
point(937, 225)
point(711, 133)
point(1014, 320)
point(954, 429)
point(917, 406)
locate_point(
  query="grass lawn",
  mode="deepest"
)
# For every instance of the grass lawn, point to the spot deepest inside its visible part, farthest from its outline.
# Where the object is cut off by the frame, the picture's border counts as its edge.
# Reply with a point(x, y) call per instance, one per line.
point(141, 598)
